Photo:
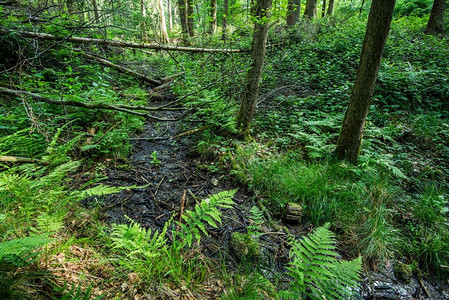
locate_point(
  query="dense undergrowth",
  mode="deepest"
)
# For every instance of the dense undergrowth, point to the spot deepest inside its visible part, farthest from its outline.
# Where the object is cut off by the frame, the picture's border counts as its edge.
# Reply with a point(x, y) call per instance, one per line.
point(392, 205)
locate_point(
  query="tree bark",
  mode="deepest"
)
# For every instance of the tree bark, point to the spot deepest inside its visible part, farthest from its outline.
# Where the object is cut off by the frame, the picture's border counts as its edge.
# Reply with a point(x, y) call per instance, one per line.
point(213, 16)
point(350, 138)
point(170, 16)
point(182, 6)
point(330, 8)
point(83, 40)
point(143, 26)
point(293, 11)
point(124, 70)
point(96, 12)
point(258, 50)
point(436, 19)
point(310, 11)
point(190, 20)
point(163, 26)
point(225, 19)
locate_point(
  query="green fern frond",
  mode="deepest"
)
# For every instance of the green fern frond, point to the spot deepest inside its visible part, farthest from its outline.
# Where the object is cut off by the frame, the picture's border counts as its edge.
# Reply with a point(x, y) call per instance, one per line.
point(20, 251)
point(316, 271)
point(206, 212)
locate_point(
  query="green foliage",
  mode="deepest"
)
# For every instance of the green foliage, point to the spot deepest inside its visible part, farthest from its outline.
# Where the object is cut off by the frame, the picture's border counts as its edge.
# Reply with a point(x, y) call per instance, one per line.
point(418, 8)
point(316, 271)
point(206, 212)
point(256, 221)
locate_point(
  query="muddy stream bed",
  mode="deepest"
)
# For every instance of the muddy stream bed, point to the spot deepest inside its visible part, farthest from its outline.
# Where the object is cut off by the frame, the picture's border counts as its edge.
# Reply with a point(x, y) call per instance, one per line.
point(177, 172)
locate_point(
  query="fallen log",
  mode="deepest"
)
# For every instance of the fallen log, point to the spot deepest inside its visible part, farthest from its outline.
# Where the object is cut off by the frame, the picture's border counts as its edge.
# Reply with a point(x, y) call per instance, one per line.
point(83, 40)
point(22, 160)
point(122, 69)
point(123, 108)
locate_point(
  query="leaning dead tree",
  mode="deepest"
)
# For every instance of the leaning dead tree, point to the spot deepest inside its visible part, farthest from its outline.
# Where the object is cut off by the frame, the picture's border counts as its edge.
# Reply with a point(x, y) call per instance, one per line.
point(122, 69)
point(83, 40)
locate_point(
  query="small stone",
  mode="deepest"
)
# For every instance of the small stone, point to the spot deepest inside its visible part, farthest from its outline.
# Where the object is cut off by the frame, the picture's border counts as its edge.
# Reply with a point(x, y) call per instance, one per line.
point(244, 246)
point(293, 212)
point(403, 272)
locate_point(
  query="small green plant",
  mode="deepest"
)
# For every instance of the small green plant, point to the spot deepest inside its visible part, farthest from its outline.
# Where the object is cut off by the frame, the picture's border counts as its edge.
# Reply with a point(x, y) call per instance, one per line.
point(154, 160)
point(206, 212)
point(256, 221)
point(316, 271)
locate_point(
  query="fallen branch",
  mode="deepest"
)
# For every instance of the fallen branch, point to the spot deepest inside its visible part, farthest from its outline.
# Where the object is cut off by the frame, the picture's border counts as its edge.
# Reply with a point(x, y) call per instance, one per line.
point(22, 160)
point(121, 69)
point(123, 108)
point(171, 77)
point(83, 40)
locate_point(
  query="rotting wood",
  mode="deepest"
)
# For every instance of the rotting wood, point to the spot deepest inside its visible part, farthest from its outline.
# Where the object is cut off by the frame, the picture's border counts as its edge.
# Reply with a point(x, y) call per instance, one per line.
point(83, 40)
point(22, 160)
point(123, 108)
point(121, 69)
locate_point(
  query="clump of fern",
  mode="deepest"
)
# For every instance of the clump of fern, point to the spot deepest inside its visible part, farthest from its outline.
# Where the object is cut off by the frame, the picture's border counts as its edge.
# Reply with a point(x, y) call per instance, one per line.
point(18, 270)
point(150, 254)
point(317, 272)
point(206, 212)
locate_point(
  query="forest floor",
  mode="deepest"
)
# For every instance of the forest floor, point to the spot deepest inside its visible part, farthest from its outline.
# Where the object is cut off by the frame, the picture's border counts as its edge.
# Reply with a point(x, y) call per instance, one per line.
point(170, 177)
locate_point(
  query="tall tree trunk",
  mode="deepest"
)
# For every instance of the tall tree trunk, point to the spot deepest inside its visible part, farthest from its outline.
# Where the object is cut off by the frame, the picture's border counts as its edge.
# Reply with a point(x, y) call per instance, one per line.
point(170, 16)
point(213, 16)
point(164, 34)
point(350, 138)
point(96, 12)
point(225, 19)
point(323, 9)
point(330, 8)
point(143, 26)
point(190, 20)
point(310, 11)
point(436, 19)
point(293, 10)
point(182, 6)
point(258, 49)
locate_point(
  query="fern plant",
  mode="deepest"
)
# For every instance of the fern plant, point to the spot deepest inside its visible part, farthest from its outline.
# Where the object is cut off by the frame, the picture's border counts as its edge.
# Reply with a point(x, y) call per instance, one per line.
point(256, 221)
point(206, 212)
point(316, 271)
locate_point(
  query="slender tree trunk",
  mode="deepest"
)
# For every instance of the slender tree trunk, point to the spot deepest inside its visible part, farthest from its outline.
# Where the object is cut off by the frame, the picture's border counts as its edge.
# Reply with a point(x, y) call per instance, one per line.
point(379, 20)
point(258, 49)
point(164, 34)
point(190, 20)
point(143, 26)
point(323, 9)
point(310, 11)
point(293, 10)
point(182, 6)
point(213, 16)
point(361, 7)
point(225, 19)
point(170, 16)
point(96, 12)
point(436, 19)
point(330, 8)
